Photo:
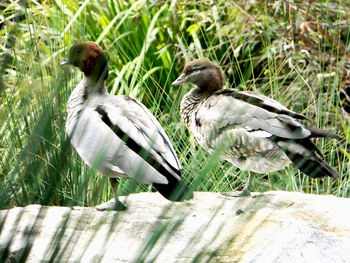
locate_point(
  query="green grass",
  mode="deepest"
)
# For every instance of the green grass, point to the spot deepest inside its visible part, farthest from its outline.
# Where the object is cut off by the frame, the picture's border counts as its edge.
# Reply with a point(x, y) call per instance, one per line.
point(294, 54)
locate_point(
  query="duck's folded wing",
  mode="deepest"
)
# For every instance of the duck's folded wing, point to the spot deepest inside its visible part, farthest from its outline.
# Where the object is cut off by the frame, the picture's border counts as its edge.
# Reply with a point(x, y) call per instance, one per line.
point(228, 112)
point(229, 109)
point(141, 132)
point(262, 101)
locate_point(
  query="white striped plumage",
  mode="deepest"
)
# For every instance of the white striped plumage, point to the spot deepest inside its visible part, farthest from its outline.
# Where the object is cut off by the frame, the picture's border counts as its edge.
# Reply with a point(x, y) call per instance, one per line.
point(98, 146)
point(117, 135)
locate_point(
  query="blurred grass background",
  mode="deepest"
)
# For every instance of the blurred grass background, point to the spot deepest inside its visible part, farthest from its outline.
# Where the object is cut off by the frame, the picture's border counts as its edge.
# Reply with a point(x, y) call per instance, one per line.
point(296, 52)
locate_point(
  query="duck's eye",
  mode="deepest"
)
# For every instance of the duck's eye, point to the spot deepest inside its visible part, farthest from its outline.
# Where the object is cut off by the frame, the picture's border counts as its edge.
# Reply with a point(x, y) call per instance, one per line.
point(75, 52)
point(196, 68)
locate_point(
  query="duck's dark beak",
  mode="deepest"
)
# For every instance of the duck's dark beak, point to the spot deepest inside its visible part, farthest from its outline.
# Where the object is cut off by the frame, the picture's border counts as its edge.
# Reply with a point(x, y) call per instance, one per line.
point(180, 80)
point(65, 62)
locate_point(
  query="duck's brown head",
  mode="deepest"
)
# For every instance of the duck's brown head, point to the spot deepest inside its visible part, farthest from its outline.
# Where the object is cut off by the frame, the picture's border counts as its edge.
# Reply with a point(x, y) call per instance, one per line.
point(88, 57)
point(202, 73)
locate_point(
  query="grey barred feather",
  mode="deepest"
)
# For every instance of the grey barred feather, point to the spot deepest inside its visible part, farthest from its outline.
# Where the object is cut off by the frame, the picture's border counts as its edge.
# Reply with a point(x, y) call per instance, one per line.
point(254, 132)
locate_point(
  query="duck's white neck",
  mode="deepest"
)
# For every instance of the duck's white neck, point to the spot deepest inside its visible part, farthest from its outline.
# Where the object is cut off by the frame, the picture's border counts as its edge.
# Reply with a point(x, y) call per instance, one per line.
point(91, 87)
point(86, 90)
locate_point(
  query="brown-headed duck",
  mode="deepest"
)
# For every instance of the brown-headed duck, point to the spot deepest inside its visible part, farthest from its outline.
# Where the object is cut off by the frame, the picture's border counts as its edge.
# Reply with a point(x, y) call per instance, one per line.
point(254, 132)
point(117, 135)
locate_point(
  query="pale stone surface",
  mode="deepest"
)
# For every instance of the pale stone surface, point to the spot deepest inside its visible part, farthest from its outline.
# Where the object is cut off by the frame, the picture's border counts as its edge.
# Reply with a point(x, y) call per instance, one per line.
point(269, 227)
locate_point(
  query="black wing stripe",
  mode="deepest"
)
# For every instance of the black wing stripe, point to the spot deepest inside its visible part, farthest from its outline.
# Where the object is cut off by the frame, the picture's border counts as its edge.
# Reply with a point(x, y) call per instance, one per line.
point(175, 190)
point(135, 147)
point(178, 172)
point(164, 139)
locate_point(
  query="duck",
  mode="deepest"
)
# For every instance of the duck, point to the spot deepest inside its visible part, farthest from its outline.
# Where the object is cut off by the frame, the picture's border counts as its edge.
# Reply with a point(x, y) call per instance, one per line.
point(117, 135)
point(253, 132)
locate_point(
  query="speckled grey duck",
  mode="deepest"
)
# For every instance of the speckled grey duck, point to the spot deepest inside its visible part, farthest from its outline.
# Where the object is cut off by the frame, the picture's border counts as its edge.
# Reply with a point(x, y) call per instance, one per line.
point(254, 132)
point(117, 135)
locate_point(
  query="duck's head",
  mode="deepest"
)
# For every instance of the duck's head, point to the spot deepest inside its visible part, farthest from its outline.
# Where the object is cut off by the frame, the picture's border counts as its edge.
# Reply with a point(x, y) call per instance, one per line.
point(202, 73)
point(88, 57)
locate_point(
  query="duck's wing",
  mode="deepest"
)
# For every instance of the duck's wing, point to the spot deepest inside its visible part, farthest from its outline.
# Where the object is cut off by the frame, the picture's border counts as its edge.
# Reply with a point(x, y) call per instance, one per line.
point(267, 118)
point(133, 123)
point(254, 112)
point(263, 102)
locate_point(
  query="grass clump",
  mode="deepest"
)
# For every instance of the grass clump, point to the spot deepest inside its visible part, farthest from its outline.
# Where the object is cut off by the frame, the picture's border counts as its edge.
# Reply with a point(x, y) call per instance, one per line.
point(294, 52)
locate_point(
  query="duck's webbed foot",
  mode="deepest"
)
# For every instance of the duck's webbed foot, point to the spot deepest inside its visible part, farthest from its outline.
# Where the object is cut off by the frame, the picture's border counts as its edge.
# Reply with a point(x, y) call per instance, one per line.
point(114, 204)
point(242, 193)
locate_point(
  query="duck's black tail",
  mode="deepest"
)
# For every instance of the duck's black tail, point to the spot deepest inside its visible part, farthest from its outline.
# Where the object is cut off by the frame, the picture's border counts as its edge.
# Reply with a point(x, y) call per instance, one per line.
point(303, 153)
point(316, 132)
point(174, 190)
point(312, 165)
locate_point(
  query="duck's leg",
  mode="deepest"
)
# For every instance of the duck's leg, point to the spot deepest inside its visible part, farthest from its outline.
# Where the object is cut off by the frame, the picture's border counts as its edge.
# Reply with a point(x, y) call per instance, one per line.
point(245, 191)
point(114, 204)
point(118, 204)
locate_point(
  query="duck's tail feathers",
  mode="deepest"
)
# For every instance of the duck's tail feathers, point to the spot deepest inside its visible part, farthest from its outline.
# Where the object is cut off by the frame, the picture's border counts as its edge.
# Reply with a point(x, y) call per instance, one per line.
point(316, 132)
point(307, 161)
point(312, 165)
point(174, 190)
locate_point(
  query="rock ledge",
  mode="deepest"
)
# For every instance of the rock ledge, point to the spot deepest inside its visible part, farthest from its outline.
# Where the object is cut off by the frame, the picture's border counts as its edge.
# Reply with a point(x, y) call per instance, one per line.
point(269, 227)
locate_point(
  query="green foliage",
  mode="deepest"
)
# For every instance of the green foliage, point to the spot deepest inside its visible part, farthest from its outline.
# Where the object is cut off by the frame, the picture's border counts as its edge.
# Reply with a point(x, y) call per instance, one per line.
point(293, 52)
